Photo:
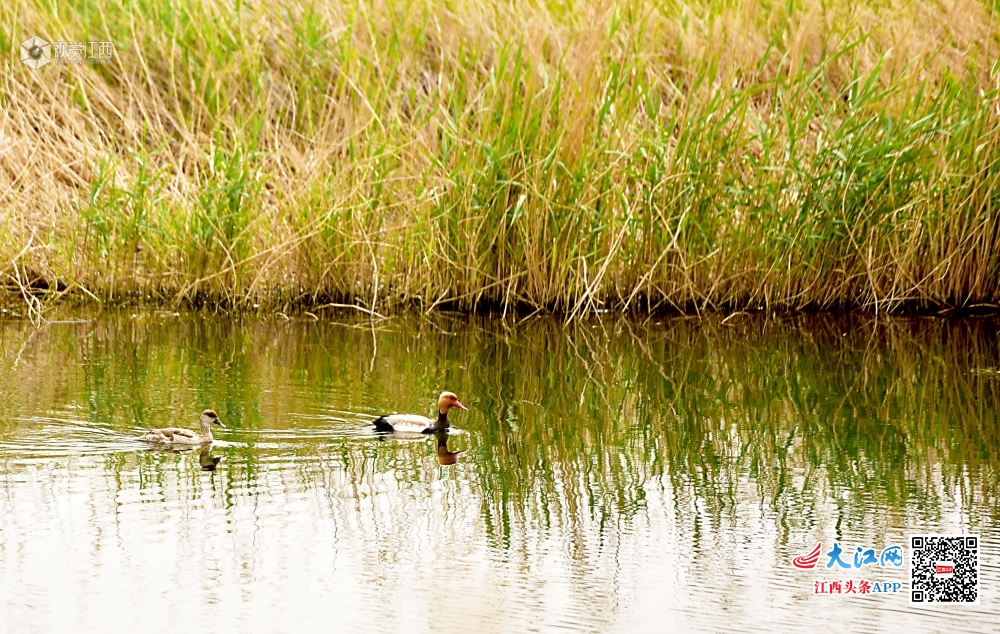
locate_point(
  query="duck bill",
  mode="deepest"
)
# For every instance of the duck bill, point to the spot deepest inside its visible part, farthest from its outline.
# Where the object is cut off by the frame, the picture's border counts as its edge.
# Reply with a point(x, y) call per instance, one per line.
point(219, 423)
point(460, 406)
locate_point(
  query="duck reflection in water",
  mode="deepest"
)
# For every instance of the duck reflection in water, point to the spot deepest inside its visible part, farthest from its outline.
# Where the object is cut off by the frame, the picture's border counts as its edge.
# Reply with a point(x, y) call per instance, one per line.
point(207, 460)
point(445, 457)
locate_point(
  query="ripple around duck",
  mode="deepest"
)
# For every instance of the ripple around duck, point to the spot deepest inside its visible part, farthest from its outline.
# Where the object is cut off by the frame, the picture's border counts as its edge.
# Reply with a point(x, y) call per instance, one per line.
point(291, 434)
point(40, 437)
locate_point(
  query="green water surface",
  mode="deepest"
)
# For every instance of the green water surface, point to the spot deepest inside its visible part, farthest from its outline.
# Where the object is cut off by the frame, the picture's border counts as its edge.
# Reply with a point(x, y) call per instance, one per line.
point(614, 476)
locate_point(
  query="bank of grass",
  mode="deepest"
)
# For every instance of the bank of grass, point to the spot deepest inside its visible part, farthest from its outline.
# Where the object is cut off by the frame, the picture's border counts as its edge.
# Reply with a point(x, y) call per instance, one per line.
point(558, 155)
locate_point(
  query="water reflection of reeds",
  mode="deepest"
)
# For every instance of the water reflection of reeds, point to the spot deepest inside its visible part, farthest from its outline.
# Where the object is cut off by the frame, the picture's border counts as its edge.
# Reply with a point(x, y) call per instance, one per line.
point(571, 427)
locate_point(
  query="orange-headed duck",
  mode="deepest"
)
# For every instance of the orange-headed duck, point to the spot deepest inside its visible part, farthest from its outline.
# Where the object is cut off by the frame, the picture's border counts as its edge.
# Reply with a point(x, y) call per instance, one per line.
point(420, 424)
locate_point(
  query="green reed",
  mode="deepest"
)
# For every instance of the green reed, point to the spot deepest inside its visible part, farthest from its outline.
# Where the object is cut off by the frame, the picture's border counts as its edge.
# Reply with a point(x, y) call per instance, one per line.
point(561, 156)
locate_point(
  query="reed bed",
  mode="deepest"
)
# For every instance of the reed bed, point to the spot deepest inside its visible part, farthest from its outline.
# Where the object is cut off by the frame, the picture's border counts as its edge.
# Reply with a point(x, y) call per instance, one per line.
point(568, 156)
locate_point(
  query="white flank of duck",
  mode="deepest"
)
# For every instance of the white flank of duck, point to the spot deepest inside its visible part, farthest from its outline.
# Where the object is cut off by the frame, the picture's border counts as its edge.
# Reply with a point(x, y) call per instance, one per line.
point(415, 423)
point(178, 436)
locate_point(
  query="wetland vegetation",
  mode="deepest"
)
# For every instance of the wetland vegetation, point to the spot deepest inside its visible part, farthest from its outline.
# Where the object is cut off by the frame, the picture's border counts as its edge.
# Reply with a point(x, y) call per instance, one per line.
point(569, 156)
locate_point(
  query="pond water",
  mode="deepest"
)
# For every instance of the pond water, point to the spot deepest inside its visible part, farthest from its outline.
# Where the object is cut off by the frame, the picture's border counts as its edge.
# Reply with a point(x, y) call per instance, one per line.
point(614, 476)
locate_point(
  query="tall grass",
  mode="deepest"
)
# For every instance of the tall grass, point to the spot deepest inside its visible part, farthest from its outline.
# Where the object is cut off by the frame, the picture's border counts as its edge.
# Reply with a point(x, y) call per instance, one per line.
point(560, 155)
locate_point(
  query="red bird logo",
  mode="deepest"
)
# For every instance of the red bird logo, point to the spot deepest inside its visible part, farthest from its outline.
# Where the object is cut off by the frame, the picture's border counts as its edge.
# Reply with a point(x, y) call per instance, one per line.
point(808, 561)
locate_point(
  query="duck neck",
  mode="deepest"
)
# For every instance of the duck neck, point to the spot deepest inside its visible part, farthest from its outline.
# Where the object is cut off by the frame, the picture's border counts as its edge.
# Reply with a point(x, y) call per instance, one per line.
point(206, 430)
point(441, 422)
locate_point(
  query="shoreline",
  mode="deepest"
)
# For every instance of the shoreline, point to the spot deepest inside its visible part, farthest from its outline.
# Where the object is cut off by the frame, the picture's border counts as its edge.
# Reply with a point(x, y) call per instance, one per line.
point(14, 305)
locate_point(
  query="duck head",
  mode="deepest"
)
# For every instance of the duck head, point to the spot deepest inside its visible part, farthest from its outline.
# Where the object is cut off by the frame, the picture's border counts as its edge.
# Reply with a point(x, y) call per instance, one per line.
point(446, 401)
point(209, 417)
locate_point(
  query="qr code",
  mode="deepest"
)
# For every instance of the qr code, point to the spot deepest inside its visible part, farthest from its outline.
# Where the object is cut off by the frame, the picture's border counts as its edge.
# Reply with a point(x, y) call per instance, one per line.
point(944, 569)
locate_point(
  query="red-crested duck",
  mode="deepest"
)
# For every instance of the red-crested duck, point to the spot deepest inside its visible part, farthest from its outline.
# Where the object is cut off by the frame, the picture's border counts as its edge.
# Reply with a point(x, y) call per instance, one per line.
point(420, 424)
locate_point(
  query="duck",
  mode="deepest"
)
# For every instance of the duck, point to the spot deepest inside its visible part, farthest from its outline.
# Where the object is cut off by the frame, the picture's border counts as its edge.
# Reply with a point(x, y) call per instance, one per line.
point(415, 423)
point(176, 435)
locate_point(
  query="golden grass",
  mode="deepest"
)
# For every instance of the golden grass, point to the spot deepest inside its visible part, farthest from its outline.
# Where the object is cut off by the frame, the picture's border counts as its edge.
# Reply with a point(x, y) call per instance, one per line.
point(567, 156)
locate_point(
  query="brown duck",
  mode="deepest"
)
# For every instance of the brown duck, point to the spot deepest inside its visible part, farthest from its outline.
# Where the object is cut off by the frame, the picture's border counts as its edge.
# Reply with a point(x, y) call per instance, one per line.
point(179, 436)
